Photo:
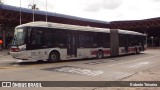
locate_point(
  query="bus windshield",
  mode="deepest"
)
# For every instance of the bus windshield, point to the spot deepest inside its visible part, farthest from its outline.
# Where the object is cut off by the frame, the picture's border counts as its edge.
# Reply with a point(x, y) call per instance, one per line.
point(19, 37)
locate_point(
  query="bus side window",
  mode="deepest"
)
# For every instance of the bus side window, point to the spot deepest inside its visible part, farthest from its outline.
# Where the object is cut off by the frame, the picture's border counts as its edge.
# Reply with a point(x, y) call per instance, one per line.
point(122, 40)
point(33, 38)
point(84, 40)
point(81, 40)
point(60, 39)
point(48, 39)
point(36, 38)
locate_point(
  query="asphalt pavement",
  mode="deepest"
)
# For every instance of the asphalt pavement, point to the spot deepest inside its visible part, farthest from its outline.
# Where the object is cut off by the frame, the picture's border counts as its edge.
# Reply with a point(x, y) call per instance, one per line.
point(140, 67)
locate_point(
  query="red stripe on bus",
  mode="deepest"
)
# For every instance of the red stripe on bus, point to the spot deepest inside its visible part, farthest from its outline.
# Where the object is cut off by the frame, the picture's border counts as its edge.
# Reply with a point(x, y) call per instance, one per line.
point(93, 52)
point(131, 49)
point(105, 52)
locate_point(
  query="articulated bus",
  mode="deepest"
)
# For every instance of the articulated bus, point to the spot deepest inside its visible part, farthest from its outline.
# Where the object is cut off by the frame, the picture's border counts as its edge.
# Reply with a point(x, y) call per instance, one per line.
point(53, 42)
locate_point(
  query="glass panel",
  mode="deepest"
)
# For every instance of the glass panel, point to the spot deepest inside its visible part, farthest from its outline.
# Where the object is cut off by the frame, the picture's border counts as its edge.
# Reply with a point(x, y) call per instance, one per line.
point(19, 36)
point(60, 39)
point(48, 39)
point(36, 37)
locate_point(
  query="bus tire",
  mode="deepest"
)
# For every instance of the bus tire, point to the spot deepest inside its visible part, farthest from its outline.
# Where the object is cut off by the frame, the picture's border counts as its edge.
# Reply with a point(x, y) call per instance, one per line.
point(100, 54)
point(54, 57)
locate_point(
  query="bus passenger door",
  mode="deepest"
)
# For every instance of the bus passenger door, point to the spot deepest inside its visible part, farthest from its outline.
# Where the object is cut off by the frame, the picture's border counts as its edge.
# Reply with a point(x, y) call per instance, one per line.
point(37, 48)
point(71, 45)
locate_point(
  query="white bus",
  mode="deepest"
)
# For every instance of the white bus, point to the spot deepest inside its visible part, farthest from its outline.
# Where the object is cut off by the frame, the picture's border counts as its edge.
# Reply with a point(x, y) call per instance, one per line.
point(53, 42)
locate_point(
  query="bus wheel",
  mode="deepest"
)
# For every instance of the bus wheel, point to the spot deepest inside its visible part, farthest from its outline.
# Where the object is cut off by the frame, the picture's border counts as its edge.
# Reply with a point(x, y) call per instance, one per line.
point(100, 54)
point(54, 57)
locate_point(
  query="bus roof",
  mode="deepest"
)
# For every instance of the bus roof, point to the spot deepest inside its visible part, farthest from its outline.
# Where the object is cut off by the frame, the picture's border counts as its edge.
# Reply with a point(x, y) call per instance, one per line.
point(130, 32)
point(64, 26)
point(75, 27)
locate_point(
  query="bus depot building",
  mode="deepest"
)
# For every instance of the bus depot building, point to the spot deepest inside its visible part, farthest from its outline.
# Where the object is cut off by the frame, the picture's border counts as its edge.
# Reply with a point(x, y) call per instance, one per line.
point(10, 17)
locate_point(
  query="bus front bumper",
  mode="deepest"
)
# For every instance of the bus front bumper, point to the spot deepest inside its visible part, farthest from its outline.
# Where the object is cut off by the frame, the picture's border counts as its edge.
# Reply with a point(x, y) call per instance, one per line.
point(21, 55)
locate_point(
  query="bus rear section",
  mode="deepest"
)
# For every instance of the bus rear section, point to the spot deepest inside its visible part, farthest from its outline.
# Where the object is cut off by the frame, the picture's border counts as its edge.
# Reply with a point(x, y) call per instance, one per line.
point(126, 42)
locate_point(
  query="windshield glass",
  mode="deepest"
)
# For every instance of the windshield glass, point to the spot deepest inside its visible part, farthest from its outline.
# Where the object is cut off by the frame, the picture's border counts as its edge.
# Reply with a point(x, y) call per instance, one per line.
point(19, 36)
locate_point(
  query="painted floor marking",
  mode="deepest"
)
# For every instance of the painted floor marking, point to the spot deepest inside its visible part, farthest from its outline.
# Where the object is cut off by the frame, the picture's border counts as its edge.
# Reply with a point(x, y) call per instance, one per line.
point(135, 60)
point(95, 62)
point(75, 70)
point(139, 64)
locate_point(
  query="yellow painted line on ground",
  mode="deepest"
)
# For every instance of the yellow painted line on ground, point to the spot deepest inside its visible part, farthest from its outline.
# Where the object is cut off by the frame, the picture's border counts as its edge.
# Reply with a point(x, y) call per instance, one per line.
point(14, 67)
point(17, 66)
point(6, 67)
